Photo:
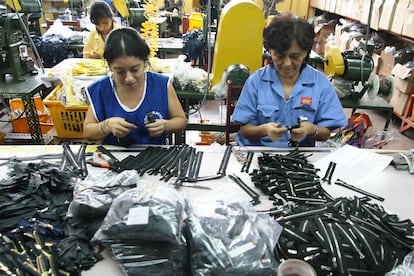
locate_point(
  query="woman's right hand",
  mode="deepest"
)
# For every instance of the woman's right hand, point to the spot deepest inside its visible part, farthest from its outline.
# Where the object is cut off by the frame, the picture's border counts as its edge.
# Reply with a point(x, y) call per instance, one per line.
point(119, 126)
point(275, 131)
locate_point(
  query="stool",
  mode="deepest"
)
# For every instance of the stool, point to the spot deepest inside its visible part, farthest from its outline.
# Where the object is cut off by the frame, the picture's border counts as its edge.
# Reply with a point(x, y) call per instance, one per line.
point(407, 120)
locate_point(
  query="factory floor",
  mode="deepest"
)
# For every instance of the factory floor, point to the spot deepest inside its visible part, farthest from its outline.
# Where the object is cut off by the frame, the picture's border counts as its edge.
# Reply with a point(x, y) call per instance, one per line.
point(213, 112)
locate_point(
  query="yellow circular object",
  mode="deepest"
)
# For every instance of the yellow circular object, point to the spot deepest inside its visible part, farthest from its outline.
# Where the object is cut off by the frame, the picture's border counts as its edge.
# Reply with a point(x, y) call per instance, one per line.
point(334, 63)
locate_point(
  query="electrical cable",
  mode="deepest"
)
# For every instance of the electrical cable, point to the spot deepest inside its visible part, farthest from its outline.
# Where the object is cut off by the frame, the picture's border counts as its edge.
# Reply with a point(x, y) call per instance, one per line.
point(203, 100)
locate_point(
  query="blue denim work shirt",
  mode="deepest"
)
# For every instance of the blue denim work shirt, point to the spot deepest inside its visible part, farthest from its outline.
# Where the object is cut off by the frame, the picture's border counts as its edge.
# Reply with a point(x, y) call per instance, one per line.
point(313, 98)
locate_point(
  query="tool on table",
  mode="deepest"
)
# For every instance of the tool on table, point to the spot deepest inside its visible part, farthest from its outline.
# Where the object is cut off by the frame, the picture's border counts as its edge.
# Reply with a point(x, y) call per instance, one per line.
point(98, 164)
point(112, 161)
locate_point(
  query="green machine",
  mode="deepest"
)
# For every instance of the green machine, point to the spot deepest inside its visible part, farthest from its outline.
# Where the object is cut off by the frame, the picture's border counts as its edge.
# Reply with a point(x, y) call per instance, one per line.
point(136, 17)
point(351, 66)
point(15, 40)
point(14, 45)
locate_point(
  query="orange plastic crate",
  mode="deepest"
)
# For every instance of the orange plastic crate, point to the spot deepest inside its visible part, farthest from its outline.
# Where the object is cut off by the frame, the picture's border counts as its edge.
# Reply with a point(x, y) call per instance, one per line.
point(20, 125)
point(68, 120)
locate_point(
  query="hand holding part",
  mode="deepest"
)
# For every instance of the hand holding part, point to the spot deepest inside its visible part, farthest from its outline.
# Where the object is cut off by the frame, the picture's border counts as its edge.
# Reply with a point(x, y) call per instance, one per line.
point(274, 131)
point(120, 127)
point(305, 129)
point(156, 128)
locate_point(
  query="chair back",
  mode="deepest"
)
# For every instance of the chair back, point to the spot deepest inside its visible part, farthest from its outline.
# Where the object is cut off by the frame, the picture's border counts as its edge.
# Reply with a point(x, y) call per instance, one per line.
point(233, 94)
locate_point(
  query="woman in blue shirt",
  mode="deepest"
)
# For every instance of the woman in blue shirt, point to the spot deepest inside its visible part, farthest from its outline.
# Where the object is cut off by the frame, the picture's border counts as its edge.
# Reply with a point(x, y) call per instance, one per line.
point(131, 105)
point(288, 92)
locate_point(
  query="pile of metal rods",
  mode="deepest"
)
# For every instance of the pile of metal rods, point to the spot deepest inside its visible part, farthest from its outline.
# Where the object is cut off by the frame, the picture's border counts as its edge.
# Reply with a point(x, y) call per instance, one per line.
point(337, 236)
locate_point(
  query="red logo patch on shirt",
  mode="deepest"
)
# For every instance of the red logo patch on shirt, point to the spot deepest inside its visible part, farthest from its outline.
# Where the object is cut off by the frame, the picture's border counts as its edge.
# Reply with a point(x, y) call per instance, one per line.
point(306, 100)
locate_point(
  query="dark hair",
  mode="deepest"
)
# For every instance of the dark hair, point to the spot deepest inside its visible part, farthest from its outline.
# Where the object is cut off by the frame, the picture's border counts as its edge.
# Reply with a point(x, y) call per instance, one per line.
point(100, 10)
point(125, 41)
point(279, 34)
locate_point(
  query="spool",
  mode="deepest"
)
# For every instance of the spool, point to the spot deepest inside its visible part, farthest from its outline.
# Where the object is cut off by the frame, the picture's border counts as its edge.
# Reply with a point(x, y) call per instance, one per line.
point(383, 87)
point(386, 88)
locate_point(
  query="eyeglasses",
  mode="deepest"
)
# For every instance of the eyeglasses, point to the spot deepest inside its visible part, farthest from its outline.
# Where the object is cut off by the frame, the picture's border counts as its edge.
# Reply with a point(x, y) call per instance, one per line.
point(294, 57)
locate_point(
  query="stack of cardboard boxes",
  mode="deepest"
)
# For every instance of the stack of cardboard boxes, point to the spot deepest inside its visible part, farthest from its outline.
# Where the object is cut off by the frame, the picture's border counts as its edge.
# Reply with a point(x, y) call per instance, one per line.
point(404, 87)
point(388, 15)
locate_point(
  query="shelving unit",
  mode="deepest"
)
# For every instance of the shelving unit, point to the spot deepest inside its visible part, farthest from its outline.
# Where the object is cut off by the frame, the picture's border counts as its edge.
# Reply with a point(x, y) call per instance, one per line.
point(381, 16)
point(390, 19)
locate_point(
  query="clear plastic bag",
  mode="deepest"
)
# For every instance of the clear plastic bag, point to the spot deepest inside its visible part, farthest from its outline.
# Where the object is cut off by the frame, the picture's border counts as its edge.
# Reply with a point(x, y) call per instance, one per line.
point(152, 258)
point(375, 139)
point(232, 239)
point(187, 77)
point(147, 213)
point(404, 269)
point(93, 196)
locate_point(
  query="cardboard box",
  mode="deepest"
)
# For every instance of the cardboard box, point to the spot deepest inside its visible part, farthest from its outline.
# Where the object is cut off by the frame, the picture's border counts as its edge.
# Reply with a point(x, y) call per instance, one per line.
point(365, 12)
point(399, 16)
point(349, 41)
point(399, 101)
point(338, 6)
point(346, 8)
point(386, 64)
point(332, 6)
point(322, 32)
point(388, 61)
point(376, 14)
point(408, 28)
point(338, 32)
point(327, 4)
point(404, 78)
point(358, 8)
point(387, 14)
point(319, 4)
point(376, 58)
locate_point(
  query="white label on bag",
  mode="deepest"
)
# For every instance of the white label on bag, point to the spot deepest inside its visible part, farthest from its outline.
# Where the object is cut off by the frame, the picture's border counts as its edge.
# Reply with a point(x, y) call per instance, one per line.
point(138, 216)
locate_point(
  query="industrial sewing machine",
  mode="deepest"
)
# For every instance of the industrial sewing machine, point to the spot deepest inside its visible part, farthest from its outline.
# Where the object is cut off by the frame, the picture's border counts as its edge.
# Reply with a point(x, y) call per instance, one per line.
point(15, 39)
point(14, 45)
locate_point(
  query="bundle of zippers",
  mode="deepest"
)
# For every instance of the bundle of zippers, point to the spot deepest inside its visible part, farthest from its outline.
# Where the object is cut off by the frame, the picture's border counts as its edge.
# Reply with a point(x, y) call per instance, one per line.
point(36, 240)
point(337, 236)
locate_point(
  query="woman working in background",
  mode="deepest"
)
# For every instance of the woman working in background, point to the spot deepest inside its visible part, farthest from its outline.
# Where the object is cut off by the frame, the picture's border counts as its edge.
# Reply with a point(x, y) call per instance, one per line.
point(287, 101)
point(102, 17)
point(131, 105)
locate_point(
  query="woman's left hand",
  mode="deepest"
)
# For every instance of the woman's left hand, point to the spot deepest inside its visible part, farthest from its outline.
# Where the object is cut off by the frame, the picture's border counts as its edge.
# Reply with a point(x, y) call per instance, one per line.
point(156, 128)
point(305, 129)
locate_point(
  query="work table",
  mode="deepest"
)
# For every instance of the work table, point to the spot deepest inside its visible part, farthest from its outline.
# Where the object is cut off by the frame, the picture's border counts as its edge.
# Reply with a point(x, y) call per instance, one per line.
point(394, 186)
